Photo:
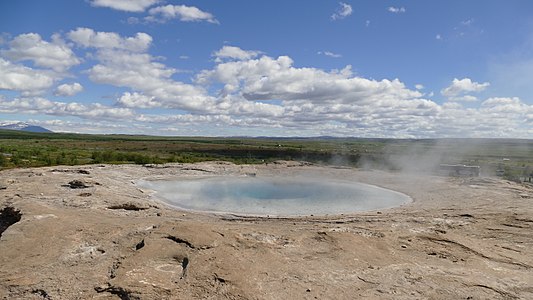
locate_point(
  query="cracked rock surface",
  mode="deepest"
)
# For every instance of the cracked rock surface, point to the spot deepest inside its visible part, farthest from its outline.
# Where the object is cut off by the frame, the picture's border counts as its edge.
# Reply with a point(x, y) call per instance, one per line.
point(460, 238)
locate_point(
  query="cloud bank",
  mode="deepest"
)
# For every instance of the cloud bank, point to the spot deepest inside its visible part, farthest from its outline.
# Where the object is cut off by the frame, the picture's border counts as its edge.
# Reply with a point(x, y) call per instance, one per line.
point(244, 92)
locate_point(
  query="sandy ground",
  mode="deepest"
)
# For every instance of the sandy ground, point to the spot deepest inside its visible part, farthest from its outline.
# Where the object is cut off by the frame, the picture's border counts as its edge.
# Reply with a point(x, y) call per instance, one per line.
point(461, 238)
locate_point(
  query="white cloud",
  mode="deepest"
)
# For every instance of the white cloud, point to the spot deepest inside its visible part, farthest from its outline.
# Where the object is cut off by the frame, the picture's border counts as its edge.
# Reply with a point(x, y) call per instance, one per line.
point(133, 20)
point(438, 37)
point(140, 72)
point(237, 106)
point(182, 12)
point(330, 54)
point(312, 100)
point(236, 53)
point(267, 78)
point(498, 101)
point(506, 105)
point(316, 102)
point(419, 86)
point(464, 98)
point(85, 126)
point(137, 100)
point(103, 126)
point(396, 10)
point(87, 37)
point(342, 12)
point(462, 86)
point(23, 79)
point(54, 55)
point(125, 5)
point(39, 105)
point(129, 69)
point(452, 105)
point(67, 90)
point(121, 63)
point(30, 105)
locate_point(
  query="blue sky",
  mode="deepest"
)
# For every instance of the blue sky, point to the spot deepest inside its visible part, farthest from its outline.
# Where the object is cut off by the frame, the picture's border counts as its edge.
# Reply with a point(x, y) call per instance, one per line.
point(280, 68)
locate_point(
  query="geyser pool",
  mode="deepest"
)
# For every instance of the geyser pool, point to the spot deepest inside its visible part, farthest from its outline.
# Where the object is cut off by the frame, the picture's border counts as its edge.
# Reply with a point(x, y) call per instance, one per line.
point(280, 196)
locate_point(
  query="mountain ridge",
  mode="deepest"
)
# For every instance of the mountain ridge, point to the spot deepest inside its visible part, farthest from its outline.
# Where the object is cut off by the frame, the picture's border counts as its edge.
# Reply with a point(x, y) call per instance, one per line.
point(23, 126)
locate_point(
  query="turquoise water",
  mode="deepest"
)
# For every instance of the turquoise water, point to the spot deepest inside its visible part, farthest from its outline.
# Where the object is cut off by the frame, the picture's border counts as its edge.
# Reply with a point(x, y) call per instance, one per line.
point(283, 196)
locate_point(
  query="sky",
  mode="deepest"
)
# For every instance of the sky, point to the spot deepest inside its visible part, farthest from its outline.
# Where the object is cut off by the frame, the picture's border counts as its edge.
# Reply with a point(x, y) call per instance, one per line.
point(378, 69)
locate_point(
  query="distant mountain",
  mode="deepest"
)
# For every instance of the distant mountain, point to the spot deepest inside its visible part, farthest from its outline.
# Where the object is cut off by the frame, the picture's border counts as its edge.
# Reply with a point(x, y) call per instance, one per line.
point(23, 127)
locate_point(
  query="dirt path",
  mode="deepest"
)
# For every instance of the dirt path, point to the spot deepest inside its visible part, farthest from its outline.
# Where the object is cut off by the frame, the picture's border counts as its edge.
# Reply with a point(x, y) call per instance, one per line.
point(102, 237)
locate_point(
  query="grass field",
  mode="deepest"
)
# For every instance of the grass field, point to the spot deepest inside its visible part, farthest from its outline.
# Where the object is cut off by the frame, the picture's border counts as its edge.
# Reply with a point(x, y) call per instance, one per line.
point(512, 157)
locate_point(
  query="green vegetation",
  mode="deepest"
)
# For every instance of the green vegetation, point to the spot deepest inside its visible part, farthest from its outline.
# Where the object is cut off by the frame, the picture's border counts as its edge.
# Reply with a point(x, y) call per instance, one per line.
point(23, 149)
point(509, 158)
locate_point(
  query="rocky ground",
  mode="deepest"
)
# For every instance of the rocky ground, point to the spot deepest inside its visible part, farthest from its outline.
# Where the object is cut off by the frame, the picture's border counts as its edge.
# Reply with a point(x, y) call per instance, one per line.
point(89, 232)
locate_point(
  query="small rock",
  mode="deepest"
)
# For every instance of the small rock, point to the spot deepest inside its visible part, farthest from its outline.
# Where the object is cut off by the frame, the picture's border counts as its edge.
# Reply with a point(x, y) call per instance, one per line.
point(128, 206)
point(139, 245)
point(466, 215)
point(102, 288)
point(77, 184)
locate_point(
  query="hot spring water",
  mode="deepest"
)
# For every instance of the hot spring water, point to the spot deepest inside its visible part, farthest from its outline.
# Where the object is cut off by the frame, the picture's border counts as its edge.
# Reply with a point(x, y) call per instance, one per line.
point(285, 196)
